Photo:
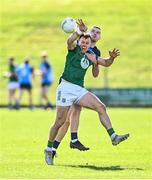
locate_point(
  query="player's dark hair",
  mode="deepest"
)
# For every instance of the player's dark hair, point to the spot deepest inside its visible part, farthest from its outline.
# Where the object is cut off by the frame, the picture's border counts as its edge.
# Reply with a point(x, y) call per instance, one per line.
point(11, 59)
point(26, 61)
point(86, 36)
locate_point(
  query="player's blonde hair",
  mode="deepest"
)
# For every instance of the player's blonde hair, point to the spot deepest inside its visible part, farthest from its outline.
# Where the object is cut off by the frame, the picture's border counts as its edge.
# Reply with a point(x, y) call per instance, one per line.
point(96, 27)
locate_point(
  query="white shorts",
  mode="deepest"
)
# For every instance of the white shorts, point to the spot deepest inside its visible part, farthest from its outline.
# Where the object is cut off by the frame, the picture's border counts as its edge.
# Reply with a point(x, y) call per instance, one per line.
point(13, 85)
point(69, 93)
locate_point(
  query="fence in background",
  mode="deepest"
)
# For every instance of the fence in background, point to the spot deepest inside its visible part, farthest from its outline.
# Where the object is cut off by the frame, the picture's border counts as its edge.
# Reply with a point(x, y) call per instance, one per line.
point(117, 97)
point(124, 97)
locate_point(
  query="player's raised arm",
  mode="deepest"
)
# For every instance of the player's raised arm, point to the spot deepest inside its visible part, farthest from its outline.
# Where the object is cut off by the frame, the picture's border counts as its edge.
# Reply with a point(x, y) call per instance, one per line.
point(71, 42)
point(105, 61)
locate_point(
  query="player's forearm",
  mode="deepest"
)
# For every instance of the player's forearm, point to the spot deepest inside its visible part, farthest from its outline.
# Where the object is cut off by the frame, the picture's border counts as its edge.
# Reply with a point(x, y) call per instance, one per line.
point(72, 38)
point(106, 61)
point(6, 74)
point(95, 70)
point(109, 61)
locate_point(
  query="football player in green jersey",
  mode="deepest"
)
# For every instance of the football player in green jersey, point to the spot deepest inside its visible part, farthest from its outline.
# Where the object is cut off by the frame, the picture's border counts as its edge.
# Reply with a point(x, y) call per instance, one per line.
point(74, 111)
point(13, 84)
point(71, 89)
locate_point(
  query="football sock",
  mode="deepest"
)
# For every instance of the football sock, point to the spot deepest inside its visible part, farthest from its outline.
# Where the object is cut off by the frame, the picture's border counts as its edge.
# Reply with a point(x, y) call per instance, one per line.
point(111, 133)
point(74, 137)
point(50, 144)
point(48, 149)
point(55, 145)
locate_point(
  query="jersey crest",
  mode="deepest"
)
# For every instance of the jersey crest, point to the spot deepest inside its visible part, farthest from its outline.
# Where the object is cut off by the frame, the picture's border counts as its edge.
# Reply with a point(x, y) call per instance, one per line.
point(84, 63)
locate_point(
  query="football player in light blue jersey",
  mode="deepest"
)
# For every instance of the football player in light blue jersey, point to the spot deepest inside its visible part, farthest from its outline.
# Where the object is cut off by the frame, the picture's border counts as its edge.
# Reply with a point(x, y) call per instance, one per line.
point(25, 72)
point(47, 79)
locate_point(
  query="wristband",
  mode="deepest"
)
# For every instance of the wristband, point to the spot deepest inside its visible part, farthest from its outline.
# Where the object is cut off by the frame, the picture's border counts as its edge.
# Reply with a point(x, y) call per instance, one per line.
point(79, 32)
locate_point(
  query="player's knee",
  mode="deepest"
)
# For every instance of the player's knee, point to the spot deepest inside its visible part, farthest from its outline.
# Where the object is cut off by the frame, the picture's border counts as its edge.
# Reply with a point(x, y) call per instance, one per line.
point(57, 125)
point(43, 95)
point(59, 122)
point(101, 108)
point(67, 123)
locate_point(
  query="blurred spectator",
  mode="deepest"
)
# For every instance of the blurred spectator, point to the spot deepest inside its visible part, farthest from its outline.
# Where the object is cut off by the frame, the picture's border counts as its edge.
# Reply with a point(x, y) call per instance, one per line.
point(46, 79)
point(12, 84)
point(25, 72)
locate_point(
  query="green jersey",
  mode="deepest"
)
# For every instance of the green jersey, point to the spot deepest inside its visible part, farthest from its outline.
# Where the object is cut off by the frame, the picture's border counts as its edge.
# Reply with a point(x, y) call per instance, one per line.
point(13, 77)
point(76, 66)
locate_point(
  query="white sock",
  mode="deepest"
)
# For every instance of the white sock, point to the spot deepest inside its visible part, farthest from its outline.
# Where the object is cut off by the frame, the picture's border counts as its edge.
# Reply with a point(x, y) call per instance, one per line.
point(48, 148)
point(53, 149)
point(113, 136)
point(74, 140)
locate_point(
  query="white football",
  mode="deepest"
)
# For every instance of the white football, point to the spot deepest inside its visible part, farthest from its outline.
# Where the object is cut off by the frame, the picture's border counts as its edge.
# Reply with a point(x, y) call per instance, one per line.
point(69, 25)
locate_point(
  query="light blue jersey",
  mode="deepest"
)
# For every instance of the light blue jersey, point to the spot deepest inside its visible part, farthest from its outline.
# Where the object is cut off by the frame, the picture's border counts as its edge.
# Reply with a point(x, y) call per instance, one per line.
point(46, 70)
point(24, 72)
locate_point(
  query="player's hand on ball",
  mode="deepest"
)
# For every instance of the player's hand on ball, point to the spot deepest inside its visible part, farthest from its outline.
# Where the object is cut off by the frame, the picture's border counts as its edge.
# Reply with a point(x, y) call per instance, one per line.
point(81, 25)
point(92, 58)
point(114, 53)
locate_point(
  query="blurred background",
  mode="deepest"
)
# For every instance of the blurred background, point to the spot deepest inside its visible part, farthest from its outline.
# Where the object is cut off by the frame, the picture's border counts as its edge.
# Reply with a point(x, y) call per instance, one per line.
point(30, 27)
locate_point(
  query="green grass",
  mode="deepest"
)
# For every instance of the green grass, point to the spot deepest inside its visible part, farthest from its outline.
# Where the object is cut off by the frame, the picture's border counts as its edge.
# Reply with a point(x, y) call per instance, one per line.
point(30, 26)
point(23, 137)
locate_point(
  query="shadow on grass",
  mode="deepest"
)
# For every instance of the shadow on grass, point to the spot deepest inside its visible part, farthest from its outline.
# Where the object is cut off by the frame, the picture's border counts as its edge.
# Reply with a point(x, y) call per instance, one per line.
point(106, 168)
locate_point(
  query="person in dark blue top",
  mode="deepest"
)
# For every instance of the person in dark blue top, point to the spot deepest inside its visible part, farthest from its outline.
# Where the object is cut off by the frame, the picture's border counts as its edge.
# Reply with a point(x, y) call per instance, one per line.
point(25, 72)
point(46, 79)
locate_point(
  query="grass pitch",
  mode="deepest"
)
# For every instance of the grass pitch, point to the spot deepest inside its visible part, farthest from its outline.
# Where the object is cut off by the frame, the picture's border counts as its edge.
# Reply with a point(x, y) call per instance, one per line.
point(23, 137)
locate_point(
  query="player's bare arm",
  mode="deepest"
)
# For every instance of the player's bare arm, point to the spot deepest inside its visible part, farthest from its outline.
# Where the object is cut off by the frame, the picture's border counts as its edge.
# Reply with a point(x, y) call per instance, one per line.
point(108, 61)
point(6, 74)
point(95, 70)
point(105, 61)
point(71, 42)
